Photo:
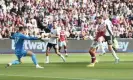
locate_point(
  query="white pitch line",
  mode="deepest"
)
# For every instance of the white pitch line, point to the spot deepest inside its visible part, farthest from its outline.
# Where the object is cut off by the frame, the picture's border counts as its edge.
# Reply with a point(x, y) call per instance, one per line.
point(48, 77)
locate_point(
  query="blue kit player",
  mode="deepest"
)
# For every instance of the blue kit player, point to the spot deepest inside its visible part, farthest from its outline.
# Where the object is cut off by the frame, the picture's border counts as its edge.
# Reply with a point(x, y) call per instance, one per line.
point(19, 38)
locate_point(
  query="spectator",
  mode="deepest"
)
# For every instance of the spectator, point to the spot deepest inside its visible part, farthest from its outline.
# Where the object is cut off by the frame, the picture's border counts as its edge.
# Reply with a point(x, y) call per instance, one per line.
point(76, 16)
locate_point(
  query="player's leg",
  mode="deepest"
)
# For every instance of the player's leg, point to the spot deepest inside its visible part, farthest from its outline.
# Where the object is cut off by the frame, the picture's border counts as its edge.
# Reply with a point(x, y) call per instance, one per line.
point(92, 52)
point(60, 46)
point(55, 46)
point(113, 53)
point(65, 48)
point(34, 59)
point(93, 57)
point(115, 44)
point(15, 62)
point(49, 46)
point(109, 42)
point(101, 45)
point(114, 48)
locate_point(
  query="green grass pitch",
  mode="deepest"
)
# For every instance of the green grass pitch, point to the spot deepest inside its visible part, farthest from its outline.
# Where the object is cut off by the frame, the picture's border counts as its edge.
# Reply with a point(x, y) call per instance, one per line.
point(73, 69)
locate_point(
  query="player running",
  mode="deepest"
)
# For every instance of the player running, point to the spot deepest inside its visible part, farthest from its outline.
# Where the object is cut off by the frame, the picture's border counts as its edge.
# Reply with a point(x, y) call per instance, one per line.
point(109, 37)
point(62, 41)
point(105, 31)
point(53, 42)
point(19, 38)
point(100, 32)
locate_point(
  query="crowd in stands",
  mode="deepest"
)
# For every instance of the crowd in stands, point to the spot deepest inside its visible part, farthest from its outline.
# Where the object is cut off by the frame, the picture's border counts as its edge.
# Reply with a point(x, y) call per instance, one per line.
point(77, 17)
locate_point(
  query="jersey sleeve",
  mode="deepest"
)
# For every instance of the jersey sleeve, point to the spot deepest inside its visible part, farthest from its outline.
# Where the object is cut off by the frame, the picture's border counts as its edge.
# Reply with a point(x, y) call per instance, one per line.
point(28, 37)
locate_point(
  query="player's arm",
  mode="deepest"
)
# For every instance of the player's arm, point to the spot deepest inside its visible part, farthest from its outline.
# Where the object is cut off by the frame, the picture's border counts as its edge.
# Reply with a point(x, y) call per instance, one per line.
point(55, 36)
point(12, 37)
point(29, 37)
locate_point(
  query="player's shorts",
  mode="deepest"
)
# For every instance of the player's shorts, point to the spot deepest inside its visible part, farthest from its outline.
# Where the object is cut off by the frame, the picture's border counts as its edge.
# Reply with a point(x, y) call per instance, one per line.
point(50, 45)
point(62, 43)
point(95, 44)
point(108, 39)
point(20, 53)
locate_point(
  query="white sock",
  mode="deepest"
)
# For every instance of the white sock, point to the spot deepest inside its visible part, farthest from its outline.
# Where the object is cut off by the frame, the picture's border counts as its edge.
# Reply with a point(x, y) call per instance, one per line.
point(114, 54)
point(62, 57)
point(47, 59)
point(37, 65)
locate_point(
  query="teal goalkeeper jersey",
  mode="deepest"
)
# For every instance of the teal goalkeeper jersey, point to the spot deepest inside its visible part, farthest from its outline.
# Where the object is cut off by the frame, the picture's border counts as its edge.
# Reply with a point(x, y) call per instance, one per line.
point(19, 40)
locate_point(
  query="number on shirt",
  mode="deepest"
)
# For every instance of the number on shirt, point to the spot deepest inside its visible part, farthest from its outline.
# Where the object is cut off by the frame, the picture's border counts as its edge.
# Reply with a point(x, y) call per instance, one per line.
point(16, 40)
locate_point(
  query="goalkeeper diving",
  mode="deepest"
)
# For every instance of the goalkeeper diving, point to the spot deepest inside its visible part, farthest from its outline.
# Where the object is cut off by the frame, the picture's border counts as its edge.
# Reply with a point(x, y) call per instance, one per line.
point(19, 38)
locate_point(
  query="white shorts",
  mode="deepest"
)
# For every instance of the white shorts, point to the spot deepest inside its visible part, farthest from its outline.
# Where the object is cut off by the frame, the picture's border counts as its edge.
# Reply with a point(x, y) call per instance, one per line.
point(62, 43)
point(95, 44)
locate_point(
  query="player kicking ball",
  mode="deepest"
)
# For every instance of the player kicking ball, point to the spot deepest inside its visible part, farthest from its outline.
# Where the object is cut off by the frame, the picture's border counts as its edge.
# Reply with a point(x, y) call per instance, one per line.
point(53, 42)
point(62, 41)
point(19, 38)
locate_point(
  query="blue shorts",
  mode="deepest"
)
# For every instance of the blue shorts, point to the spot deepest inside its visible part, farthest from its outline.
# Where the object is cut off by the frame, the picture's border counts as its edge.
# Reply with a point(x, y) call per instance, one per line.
point(20, 53)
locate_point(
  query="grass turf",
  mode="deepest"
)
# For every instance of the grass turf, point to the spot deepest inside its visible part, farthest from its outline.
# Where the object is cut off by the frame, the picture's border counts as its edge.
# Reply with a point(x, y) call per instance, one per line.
point(73, 69)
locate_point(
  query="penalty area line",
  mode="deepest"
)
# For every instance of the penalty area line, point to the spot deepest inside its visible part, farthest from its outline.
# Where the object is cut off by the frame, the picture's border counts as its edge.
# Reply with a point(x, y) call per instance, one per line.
point(46, 77)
